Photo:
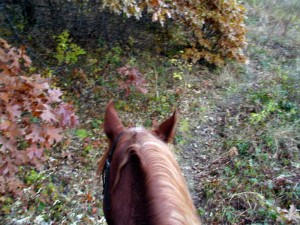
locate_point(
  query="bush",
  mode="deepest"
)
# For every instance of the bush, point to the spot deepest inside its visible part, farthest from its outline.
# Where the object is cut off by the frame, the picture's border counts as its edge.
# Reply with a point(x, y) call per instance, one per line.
point(32, 118)
point(66, 51)
point(215, 29)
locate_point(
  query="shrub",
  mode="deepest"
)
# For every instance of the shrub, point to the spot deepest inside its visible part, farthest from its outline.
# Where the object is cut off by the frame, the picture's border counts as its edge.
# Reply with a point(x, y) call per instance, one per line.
point(32, 117)
point(132, 78)
point(66, 51)
point(215, 29)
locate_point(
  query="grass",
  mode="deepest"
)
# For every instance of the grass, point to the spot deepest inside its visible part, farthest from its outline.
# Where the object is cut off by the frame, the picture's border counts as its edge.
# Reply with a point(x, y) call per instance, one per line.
point(259, 181)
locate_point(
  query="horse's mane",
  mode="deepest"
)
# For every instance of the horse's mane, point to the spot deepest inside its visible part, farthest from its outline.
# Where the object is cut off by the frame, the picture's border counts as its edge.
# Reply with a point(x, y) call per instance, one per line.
point(167, 195)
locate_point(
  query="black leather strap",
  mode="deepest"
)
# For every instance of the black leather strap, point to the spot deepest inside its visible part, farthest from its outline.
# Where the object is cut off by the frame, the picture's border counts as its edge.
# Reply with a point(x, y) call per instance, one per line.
point(106, 172)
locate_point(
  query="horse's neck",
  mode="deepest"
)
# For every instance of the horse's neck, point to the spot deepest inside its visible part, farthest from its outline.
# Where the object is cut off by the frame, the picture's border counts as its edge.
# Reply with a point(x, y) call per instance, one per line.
point(170, 198)
point(148, 188)
point(129, 197)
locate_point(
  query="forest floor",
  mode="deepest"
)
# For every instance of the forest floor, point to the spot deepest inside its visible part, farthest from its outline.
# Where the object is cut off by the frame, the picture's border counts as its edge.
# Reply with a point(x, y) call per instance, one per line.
point(237, 138)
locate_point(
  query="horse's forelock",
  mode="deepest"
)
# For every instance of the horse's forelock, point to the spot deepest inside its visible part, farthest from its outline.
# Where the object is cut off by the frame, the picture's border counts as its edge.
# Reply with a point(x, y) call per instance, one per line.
point(165, 182)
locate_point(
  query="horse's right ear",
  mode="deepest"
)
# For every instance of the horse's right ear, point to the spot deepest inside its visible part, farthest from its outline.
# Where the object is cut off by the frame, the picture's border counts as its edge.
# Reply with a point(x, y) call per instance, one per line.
point(166, 130)
point(112, 124)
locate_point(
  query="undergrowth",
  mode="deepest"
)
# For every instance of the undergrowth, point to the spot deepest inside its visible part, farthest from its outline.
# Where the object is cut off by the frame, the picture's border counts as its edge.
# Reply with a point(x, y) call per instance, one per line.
point(259, 180)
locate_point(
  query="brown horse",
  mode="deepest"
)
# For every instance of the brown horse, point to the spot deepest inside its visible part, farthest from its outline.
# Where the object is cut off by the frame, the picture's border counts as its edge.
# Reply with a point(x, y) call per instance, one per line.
point(143, 183)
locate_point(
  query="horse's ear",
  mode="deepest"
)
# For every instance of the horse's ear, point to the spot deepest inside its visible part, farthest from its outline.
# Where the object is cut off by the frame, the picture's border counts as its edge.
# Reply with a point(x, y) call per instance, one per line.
point(166, 130)
point(112, 124)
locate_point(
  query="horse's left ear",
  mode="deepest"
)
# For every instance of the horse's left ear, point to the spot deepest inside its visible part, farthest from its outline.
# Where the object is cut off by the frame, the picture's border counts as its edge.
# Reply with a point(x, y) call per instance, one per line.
point(166, 130)
point(112, 124)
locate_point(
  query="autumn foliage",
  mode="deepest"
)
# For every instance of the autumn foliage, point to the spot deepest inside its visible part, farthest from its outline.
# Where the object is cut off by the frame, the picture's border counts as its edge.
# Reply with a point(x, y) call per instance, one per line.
point(132, 78)
point(215, 29)
point(32, 117)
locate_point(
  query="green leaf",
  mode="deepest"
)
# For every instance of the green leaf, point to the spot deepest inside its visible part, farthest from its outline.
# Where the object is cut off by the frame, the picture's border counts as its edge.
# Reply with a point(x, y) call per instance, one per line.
point(82, 133)
point(41, 206)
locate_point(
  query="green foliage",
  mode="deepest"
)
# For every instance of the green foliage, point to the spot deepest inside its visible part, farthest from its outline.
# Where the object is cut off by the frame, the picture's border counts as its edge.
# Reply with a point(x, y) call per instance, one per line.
point(96, 123)
point(183, 67)
point(113, 56)
point(6, 203)
point(246, 175)
point(82, 133)
point(258, 184)
point(261, 169)
point(275, 102)
point(184, 125)
point(66, 51)
point(243, 147)
point(165, 102)
point(33, 177)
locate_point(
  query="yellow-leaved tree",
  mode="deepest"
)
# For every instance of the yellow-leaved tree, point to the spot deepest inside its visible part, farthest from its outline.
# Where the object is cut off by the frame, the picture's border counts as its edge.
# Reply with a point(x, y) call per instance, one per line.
point(215, 29)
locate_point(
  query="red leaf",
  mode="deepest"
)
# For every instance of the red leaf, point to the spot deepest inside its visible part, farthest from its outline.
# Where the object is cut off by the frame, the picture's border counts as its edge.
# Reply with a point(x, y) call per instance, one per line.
point(4, 96)
point(89, 197)
point(14, 56)
point(66, 115)
point(39, 83)
point(34, 151)
point(14, 185)
point(53, 134)
point(27, 60)
point(3, 56)
point(7, 144)
point(154, 3)
point(8, 168)
point(19, 157)
point(35, 135)
point(132, 78)
point(2, 185)
point(14, 111)
point(5, 124)
point(4, 44)
point(54, 95)
point(13, 131)
point(47, 114)
point(94, 210)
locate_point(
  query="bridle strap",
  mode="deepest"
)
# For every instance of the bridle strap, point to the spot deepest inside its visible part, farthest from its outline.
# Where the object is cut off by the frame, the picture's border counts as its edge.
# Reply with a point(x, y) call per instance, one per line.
point(106, 171)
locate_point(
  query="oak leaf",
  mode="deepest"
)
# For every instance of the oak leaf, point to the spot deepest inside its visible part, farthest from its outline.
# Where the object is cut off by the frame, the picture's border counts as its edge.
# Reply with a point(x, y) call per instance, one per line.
point(35, 134)
point(33, 152)
point(54, 95)
point(8, 168)
point(15, 186)
point(66, 115)
point(4, 124)
point(47, 114)
point(14, 111)
point(19, 157)
point(7, 144)
point(4, 96)
point(53, 134)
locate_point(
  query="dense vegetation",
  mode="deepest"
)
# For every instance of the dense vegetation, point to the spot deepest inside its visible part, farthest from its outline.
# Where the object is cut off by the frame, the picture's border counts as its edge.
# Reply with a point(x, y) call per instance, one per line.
point(211, 31)
point(238, 136)
point(215, 30)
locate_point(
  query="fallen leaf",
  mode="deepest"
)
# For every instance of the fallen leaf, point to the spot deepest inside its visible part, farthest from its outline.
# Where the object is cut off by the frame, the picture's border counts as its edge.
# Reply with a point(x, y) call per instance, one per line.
point(34, 151)
point(233, 152)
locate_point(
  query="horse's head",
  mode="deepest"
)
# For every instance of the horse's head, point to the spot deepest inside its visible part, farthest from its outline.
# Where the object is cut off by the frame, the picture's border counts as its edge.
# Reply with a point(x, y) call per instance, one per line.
point(142, 181)
point(113, 127)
